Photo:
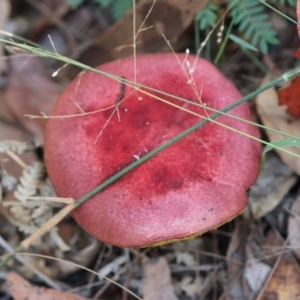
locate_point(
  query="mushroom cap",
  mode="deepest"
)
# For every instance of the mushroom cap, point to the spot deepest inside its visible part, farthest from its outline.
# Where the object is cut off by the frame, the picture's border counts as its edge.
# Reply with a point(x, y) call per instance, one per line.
point(191, 187)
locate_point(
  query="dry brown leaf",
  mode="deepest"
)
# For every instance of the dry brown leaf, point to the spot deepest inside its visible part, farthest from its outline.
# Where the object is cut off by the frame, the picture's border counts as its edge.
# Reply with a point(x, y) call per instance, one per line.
point(275, 116)
point(30, 91)
point(290, 96)
point(271, 187)
point(157, 280)
point(294, 228)
point(21, 289)
point(10, 130)
point(284, 282)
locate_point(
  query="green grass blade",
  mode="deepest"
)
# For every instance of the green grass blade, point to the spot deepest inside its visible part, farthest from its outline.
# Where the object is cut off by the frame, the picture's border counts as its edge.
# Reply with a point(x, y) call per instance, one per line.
point(241, 42)
point(281, 144)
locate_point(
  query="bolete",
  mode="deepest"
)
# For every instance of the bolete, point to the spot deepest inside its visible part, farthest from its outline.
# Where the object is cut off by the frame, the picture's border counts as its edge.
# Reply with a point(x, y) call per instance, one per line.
point(193, 186)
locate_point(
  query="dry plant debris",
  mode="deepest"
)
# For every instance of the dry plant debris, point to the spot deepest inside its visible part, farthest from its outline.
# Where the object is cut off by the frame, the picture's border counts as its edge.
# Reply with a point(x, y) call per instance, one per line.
point(28, 215)
point(24, 205)
point(284, 280)
point(155, 19)
point(275, 116)
point(272, 186)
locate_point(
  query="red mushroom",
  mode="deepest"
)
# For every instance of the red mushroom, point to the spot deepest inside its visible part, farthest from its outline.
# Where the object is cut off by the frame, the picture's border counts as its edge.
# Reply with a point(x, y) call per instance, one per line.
point(193, 186)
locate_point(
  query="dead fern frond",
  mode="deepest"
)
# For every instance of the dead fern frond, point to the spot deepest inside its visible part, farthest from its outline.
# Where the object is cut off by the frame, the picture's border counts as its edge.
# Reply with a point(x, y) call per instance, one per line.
point(8, 181)
point(30, 215)
point(15, 146)
point(29, 181)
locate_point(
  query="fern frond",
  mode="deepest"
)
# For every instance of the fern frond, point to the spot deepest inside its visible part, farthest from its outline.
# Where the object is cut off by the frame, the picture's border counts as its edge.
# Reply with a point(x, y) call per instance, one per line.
point(15, 146)
point(75, 3)
point(29, 181)
point(291, 3)
point(30, 216)
point(120, 7)
point(207, 17)
point(104, 3)
point(253, 23)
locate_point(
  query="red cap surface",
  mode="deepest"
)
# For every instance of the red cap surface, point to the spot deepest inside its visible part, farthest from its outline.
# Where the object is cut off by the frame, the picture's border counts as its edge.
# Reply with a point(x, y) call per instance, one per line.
point(191, 187)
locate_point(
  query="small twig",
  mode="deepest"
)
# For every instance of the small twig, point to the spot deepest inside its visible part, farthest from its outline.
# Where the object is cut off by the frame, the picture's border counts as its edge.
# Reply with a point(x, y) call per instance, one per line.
point(52, 199)
point(16, 158)
point(44, 116)
point(145, 19)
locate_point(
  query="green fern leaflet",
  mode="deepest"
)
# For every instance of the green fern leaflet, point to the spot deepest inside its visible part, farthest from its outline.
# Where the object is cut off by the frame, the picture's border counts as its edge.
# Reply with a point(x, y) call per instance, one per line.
point(207, 17)
point(252, 21)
